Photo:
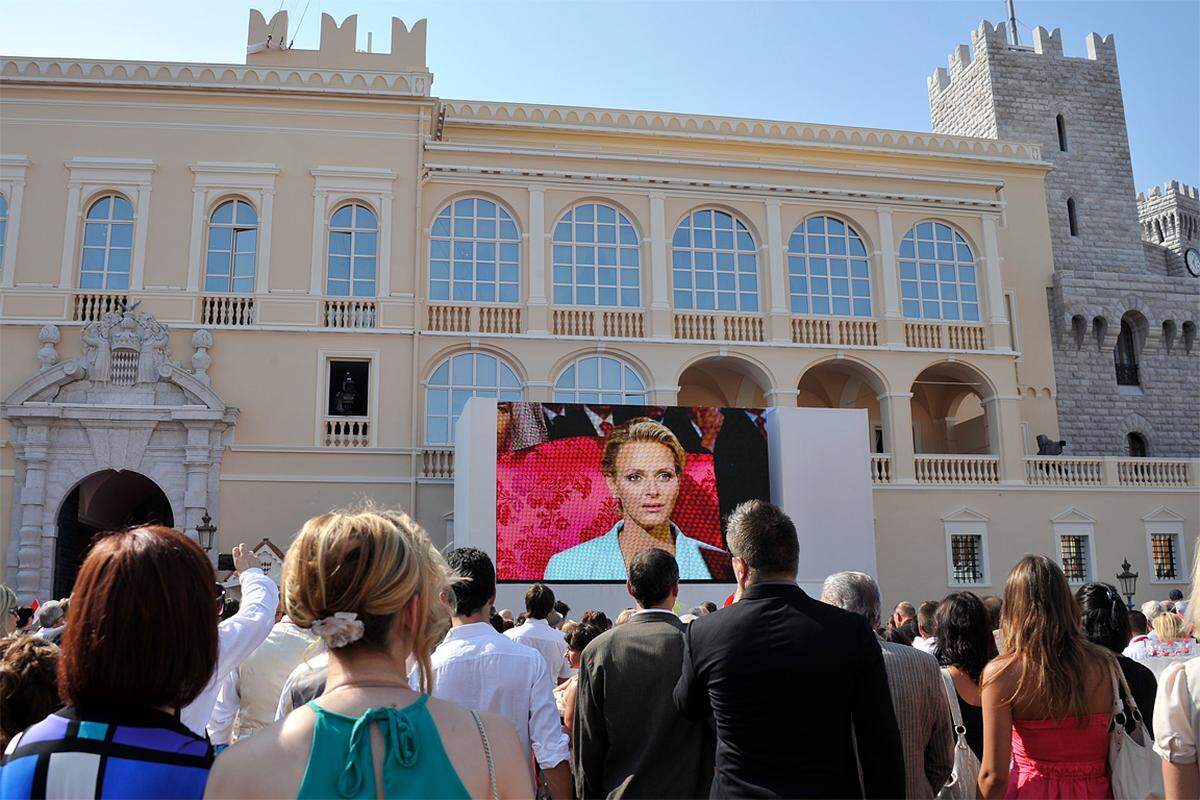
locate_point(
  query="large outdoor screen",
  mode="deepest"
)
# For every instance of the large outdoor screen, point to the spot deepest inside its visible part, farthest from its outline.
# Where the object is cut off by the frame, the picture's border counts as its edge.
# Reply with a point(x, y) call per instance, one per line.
point(582, 489)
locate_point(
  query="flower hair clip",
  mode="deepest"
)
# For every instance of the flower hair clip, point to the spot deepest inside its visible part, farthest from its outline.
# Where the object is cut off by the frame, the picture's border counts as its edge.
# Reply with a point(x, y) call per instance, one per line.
point(339, 629)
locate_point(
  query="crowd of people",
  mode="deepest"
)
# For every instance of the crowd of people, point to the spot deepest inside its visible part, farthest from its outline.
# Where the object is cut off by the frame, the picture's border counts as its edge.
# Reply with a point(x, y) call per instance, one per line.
point(380, 667)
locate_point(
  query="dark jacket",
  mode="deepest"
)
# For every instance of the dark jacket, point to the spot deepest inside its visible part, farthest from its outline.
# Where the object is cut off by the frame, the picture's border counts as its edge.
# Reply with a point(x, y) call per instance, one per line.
point(786, 680)
point(629, 739)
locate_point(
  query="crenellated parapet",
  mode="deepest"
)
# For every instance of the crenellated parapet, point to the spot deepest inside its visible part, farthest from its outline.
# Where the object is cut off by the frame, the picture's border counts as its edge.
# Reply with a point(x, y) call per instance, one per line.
point(267, 43)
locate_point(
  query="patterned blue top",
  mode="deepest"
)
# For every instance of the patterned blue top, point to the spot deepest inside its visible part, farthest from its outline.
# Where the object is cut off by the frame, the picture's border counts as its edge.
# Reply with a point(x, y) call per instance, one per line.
point(128, 752)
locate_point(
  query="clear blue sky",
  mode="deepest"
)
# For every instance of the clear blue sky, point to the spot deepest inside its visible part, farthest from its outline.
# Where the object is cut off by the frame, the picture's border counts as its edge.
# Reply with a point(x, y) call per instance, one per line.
point(854, 63)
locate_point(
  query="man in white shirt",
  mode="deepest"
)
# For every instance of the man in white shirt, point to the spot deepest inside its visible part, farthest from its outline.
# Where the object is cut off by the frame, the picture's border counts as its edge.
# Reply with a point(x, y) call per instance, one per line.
point(926, 641)
point(479, 668)
point(238, 636)
point(536, 632)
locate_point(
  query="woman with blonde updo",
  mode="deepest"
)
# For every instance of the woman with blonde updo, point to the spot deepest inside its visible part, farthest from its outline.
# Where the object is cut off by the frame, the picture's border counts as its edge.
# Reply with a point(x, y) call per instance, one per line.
point(1169, 628)
point(373, 588)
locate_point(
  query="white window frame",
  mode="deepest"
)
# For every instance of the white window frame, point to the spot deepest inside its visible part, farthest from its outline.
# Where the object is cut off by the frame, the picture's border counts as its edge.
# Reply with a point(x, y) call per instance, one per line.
point(427, 385)
point(323, 359)
point(805, 258)
point(916, 260)
point(575, 362)
point(215, 182)
point(1074, 522)
point(714, 250)
point(355, 256)
point(967, 522)
point(338, 186)
point(1164, 521)
point(622, 220)
point(87, 179)
point(474, 241)
point(12, 186)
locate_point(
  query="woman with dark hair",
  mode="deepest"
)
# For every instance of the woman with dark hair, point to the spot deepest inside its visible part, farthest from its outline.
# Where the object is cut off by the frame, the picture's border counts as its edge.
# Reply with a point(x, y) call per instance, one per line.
point(28, 683)
point(141, 644)
point(1106, 623)
point(964, 647)
point(564, 694)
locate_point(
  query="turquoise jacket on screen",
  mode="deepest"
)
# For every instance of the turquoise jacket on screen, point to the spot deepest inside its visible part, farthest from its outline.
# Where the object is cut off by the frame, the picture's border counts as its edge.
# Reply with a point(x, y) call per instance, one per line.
point(600, 559)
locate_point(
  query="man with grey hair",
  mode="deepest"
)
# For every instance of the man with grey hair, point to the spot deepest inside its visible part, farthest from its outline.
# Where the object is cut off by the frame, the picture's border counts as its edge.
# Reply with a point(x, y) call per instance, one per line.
point(915, 682)
point(51, 617)
point(785, 680)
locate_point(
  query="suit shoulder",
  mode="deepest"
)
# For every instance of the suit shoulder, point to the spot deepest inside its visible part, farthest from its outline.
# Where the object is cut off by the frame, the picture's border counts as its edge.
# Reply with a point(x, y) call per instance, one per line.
point(908, 658)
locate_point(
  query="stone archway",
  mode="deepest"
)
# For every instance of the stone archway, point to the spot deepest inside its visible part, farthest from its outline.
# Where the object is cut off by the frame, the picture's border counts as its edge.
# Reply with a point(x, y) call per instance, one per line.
point(123, 405)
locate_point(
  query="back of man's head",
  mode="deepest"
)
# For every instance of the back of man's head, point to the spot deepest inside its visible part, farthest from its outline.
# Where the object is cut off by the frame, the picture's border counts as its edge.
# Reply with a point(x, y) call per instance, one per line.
point(562, 608)
point(905, 610)
point(50, 613)
point(653, 576)
point(853, 591)
point(764, 538)
point(994, 606)
point(539, 601)
point(925, 618)
point(1138, 624)
point(1176, 595)
point(477, 586)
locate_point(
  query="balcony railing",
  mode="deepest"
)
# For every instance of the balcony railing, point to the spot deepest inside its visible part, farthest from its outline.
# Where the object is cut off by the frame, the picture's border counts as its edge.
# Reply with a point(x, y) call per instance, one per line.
point(352, 314)
point(967, 470)
point(881, 468)
point(226, 309)
point(437, 463)
point(1064, 471)
point(941, 335)
point(1154, 472)
point(347, 432)
point(446, 318)
point(596, 322)
point(718, 328)
point(91, 306)
point(827, 330)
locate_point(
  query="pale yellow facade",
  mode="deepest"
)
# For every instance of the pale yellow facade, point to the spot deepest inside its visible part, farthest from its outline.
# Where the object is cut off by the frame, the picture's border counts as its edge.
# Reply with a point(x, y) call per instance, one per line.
point(298, 135)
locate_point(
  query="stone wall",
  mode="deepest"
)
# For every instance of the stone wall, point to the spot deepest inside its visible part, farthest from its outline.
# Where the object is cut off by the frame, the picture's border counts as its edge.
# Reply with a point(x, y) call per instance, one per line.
point(1170, 219)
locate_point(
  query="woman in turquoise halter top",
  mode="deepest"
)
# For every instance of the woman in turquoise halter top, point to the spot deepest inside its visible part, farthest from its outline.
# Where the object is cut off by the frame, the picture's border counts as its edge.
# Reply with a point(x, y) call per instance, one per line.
point(369, 735)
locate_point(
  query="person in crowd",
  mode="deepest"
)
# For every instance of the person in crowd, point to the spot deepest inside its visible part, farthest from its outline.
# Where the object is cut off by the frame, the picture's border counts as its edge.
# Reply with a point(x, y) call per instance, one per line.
point(1177, 714)
point(28, 683)
point(643, 464)
point(230, 608)
point(120, 735)
point(709, 606)
point(1169, 629)
point(1151, 608)
point(520, 620)
point(564, 694)
point(50, 620)
point(497, 623)
point(918, 693)
point(567, 628)
point(964, 647)
point(598, 618)
point(306, 683)
point(1181, 605)
point(1139, 630)
point(897, 636)
point(1047, 698)
point(1106, 623)
point(994, 606)
point(904, 617)
point(536, 632)
point(630, 740)
point(8, 610)
point(239, 635)
point(373, 588)
point(478, 668)
point(698, 611)
point(740, 668)
point(563, 610)
point(25, 619)
point(625, 615)
point(926, 638)
point(507, 614)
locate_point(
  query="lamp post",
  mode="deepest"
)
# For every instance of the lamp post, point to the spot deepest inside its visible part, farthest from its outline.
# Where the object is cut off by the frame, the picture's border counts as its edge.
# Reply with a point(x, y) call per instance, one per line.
point(1128, 581)
point(206, 532)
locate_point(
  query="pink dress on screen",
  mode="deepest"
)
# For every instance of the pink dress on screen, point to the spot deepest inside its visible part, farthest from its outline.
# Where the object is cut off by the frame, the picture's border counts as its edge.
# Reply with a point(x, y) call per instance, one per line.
point(1060, 758)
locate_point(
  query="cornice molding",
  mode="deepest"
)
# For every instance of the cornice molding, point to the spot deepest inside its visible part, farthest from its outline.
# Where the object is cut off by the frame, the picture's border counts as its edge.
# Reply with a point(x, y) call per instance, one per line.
point(733, 129)
point(172, 75)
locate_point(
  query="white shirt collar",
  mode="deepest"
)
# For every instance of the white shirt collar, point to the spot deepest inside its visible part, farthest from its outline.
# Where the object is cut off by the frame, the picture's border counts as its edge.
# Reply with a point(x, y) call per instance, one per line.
point(654, 611)
point(532, 621)
point(473, 630)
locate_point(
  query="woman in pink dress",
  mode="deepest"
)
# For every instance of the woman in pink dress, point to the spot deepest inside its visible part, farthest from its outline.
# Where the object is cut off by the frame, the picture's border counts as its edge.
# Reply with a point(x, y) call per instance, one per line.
point(1047, 698)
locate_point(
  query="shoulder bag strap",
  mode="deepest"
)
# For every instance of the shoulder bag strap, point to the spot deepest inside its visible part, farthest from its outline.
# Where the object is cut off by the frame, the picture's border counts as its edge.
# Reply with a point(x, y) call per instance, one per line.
point(1127, 694)
point(487, 752)
point(952, 698)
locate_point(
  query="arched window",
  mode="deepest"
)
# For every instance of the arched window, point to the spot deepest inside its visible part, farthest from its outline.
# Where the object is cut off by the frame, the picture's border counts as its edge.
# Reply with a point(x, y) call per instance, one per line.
point(1126, 356)
point(474, 253)
point(937, 274)
point(1062, 133)
point(3, 225)
point(595, 261)
point(1135, 445)
point(232, 248)
point(353, 243)
point(714, 263)
point(107, 244)
point(1072, 221)
point(600, 379)
point(827, 269)
point(455, 381)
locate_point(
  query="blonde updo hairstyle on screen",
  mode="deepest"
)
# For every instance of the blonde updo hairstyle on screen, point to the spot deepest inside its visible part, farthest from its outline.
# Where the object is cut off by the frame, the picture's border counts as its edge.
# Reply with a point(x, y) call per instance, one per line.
point(371, 563)
point(640, 429)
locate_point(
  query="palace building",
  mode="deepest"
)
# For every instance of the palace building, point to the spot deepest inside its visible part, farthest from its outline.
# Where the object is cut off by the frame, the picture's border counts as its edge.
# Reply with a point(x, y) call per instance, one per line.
point(253, 292)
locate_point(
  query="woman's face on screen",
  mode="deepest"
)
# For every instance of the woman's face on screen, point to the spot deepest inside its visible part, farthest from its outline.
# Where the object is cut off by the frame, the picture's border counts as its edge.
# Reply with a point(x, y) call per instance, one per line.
point(646, 482)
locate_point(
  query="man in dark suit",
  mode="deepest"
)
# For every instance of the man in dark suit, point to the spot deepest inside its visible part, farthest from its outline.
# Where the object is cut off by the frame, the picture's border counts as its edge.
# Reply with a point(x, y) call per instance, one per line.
point(629, 739)
point(787, 680)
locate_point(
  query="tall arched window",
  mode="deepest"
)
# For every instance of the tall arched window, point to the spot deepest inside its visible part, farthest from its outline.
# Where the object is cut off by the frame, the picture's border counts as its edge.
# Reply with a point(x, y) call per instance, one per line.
point(595, 258)
point(107, 244)
point(3, 225)
point(714, 266)
point(1125, 354)
point(600, 379)
point(455, 381)
point(232, 248)
point(353, 243)
point(1072, 220)
point(1135, 445)
point(937, 274)
point(827, 269)
point(474, 253)
point(1062, 132)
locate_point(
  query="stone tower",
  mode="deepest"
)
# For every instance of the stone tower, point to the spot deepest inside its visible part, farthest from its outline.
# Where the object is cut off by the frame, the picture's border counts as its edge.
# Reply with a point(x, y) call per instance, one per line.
point(1123, 313)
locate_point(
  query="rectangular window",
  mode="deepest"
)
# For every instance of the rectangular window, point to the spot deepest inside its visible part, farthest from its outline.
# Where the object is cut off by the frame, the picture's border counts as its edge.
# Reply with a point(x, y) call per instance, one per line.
point(1165, 549)
point(966, 558)
point(349, 388)
point(1075, 557)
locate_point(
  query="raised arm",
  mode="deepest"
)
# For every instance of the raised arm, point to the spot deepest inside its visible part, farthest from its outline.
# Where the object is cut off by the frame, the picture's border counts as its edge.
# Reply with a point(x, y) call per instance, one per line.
point(244, 631)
